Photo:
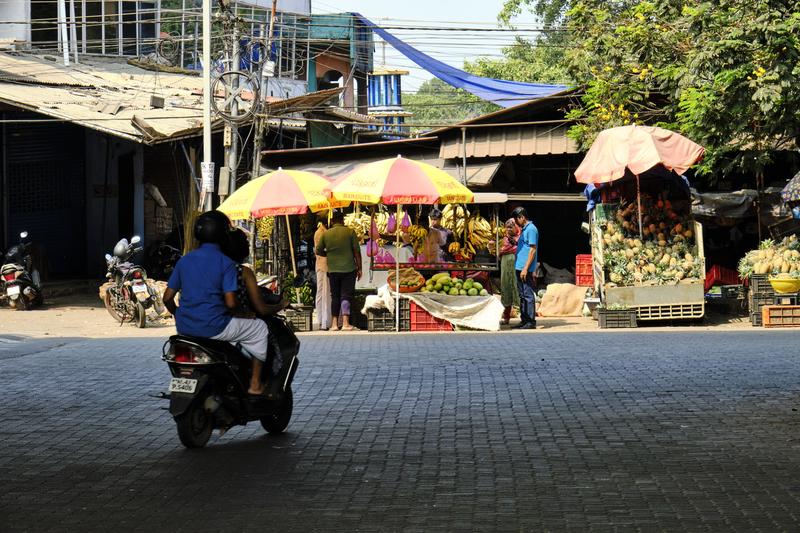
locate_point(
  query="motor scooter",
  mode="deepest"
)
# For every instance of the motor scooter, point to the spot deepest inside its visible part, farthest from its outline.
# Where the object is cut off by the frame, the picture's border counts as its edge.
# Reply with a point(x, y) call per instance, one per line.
point(21, 280)
point(210, 378)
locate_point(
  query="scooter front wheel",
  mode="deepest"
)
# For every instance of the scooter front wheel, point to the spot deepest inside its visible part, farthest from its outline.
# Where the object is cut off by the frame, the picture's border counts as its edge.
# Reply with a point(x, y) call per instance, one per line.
point(195, 425)
point(277, 423)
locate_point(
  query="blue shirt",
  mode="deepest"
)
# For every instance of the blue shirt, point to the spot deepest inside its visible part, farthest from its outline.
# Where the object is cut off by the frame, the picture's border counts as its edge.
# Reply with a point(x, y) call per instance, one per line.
point(203, 276)
point(528, 238)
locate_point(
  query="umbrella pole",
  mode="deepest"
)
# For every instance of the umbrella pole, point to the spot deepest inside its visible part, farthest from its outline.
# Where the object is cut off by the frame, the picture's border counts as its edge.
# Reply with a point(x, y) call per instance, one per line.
point(294, 263)
point(639, 201)
point(397, 272)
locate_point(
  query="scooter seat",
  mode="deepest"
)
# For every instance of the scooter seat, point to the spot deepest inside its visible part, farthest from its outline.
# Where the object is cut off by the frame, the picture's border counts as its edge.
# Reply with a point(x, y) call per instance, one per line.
point(210, 344)
point(10, 268)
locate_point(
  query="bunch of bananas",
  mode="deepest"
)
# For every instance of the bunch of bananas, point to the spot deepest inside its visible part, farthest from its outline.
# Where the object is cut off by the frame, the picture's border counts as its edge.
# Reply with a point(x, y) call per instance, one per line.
point(264, 227)
point(454, 248)
point(454, 218)
point(479, 232)
point(360, 223)
point(417, 235)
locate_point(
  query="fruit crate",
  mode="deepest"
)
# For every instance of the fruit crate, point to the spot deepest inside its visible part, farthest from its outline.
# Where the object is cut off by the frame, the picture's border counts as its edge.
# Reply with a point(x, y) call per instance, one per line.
point(759, 285)
point(617, 318)
point(780, 316)
point(383, 320)
point(584, 276)
point(724, 276)
point(421, 320)
point(299, 317)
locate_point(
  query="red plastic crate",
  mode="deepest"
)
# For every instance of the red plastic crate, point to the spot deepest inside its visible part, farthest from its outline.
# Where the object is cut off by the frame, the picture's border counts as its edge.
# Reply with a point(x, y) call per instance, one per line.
point(584, 275)
point(719, 275)
point(421, 320)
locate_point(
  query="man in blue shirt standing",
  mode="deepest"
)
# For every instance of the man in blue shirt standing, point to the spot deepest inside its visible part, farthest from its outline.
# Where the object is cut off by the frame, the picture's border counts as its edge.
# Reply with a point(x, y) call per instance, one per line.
point(525, 266)
point(207, 281)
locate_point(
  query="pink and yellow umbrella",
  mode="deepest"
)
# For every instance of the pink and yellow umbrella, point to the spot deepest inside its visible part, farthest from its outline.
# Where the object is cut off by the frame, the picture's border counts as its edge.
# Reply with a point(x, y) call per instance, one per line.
point(400, 181)
point(282, 192)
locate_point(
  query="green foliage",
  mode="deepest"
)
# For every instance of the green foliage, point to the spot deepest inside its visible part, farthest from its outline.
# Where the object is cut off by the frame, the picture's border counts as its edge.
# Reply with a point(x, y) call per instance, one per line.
point(723, 73)
point(437, 103)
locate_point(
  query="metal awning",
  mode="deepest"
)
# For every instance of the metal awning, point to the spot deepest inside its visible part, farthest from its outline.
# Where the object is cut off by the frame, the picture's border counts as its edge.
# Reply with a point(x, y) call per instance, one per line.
point(506, 141)
point(478, 175)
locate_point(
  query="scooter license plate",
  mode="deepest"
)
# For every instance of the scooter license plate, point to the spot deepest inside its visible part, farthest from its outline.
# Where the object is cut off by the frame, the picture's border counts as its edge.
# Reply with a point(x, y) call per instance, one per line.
point(13, 290)
point(183, 385)
point(140, 288)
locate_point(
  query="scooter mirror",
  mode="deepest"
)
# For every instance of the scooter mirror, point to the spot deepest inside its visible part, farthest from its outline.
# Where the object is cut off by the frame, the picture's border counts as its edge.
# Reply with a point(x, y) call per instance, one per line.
point(23, 235)
point(136, 239)
point(108, 257)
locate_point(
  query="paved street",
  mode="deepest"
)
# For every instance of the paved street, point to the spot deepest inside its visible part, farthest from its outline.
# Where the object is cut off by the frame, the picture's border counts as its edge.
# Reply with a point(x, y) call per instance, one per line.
point(648, 431)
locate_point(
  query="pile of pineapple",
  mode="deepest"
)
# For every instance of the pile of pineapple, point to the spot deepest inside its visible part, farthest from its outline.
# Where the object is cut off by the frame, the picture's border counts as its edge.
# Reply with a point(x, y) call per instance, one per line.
point(773, 258)
point(666, 253)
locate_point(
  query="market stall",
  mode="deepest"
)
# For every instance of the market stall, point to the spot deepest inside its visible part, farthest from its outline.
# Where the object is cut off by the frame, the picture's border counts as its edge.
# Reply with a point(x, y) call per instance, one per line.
point(457, 240)
point(647, 249)
point(283, 193)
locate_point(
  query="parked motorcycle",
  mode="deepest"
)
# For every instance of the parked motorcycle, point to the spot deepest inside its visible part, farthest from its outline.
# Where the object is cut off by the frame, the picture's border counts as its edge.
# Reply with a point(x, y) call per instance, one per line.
point(130, 295)
point(21, 280)
point(210, 378)
point(160, 260)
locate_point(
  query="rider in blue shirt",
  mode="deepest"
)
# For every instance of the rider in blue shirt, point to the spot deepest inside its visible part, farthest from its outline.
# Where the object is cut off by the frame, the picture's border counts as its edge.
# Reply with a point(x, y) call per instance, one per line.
point(208, 283)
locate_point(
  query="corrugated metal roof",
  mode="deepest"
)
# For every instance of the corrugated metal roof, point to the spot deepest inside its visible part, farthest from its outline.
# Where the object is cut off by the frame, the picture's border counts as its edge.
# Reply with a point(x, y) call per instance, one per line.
point(510, 141)
point(112, 96)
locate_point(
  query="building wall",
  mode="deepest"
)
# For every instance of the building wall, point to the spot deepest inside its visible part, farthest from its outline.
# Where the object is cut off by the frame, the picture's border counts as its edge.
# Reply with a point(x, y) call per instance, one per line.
point(326, 63)
point(19, 10)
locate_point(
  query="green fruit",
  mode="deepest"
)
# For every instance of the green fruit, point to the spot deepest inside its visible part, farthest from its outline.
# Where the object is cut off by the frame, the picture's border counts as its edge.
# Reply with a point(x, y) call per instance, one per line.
point(462, 292)
point(453, 292)
point(472, 292)
point(469, 284)
point(437, 287)
point(484, 292)
point(478, 286)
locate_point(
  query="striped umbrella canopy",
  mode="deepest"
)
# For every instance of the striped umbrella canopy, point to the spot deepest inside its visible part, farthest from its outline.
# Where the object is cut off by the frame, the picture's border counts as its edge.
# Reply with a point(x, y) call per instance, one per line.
point(400, 181)
point(282, 192)
point(791, 193)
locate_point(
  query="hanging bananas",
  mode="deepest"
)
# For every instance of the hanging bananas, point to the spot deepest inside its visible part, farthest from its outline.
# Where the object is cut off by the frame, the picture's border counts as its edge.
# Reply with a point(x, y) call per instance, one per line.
point(264, 227)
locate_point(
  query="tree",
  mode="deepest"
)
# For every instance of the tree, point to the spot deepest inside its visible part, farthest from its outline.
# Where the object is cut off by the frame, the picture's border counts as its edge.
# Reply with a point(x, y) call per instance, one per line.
point(724, 73)
point(437, 103)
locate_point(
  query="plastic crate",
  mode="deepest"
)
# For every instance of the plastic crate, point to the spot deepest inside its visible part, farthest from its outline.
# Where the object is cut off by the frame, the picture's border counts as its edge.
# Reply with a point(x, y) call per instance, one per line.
point(299, 317)
point(718, 275)
point(786, 299)
point(584, 275)
point(780, 316)
point(383, 320)
point(421, 320)
point(617, 318)
point(760, 285)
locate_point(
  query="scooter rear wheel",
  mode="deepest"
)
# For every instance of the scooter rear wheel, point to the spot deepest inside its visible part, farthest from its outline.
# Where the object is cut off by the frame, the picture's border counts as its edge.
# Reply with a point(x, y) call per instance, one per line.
point(195, 425)
point(277, 423)
point(141, 315)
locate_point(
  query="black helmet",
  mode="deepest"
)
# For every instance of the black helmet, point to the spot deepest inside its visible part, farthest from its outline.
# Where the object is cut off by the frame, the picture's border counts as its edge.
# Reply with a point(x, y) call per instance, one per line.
point(212, 226)
point(238, 245)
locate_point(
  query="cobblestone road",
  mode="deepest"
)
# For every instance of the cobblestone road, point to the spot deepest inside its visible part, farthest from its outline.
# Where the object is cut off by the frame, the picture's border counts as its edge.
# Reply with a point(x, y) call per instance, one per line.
point(626, 431)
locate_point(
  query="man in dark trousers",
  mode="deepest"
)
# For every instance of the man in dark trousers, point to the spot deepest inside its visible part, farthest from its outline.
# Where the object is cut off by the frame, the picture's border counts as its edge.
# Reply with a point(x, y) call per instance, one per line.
point(339, 245)
point(525, 266)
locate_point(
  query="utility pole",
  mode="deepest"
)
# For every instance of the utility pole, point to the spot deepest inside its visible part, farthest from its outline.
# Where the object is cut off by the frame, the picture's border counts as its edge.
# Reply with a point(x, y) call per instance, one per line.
point(207, 165)
point(232, 147)
point(259, 123)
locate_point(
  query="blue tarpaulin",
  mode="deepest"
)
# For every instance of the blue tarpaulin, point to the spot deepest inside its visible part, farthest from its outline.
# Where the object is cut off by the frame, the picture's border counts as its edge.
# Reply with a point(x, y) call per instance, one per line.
point(501, 92)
